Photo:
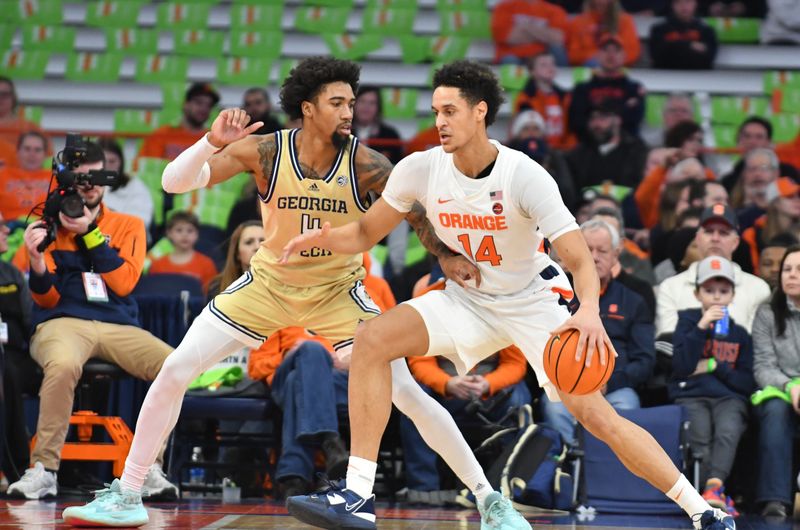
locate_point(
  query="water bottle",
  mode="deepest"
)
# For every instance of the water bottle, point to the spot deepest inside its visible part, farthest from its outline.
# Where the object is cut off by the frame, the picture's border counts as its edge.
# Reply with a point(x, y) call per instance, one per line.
point(723, 324)
point(197, 473)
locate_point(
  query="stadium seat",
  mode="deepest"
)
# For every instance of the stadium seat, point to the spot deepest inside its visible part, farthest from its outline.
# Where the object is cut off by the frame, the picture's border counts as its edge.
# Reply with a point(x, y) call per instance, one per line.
point(167, 285)
point(352, 47)
point(471, 23)
point(315, 19)
point(724, 136)
point(447, 48)
point(47, 13)
point(780, 78)
point(49, 38)
point(399, 103)
point(264, 44)
point(161, 68)
point(414, 48)
point(198, 42)
point(252, 17)
point(136, 120)
point(113, 13)
point(732, 110)
point(736, 30)
point(631, 494)
point(513, 77)
point(32, 113)
point(785, 127)
point(388, 20)
point(786, 99)
point(178, 15)
point(243, 71)
point(24, 64)
point(93, 67)
point(132, 41)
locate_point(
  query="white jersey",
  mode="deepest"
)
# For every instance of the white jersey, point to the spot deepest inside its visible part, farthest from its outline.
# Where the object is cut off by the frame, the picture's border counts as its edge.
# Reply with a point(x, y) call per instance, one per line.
point(498, 222)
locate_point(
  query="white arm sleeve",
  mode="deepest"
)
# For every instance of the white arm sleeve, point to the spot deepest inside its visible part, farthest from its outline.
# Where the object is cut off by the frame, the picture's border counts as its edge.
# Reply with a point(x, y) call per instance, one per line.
point(190, 170)
point(408, 182)
point(540, 199)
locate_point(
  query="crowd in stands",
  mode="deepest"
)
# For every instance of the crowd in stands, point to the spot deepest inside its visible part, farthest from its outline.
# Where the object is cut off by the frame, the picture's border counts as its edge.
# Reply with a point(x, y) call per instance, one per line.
point(681, 240)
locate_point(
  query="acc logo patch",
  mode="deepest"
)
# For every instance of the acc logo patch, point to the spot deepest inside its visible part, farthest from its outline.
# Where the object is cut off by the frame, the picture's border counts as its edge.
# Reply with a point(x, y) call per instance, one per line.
point(341, 180)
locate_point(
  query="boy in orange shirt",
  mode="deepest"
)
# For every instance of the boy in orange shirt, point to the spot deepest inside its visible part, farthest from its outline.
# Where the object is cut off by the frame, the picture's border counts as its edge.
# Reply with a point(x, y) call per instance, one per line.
point(183, 229)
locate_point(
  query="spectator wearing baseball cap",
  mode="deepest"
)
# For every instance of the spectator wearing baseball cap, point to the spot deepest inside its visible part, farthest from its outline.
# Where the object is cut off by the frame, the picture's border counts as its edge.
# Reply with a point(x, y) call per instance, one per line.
point(716, 236)
point(609, 84)
point(168, 141)
point(600, 23)
point(712, 376)
point(783, 212)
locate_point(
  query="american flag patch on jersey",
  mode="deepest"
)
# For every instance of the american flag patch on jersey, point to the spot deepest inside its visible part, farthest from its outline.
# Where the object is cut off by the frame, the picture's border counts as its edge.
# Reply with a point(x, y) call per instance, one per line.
point(496, 195)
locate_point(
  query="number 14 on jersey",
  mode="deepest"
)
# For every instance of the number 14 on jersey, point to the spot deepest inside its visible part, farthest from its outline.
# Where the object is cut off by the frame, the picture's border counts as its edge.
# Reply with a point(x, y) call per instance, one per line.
point(486, 249)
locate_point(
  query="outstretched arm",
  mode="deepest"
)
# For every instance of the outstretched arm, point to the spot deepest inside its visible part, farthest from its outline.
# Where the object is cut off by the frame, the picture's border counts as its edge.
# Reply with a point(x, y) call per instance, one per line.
point(374, 169)
point(201, 164)
point(352, 238)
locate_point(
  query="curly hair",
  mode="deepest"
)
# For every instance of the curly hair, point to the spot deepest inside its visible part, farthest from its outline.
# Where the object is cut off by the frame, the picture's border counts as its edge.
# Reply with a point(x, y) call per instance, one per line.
point(307, 79)
point(475, 81)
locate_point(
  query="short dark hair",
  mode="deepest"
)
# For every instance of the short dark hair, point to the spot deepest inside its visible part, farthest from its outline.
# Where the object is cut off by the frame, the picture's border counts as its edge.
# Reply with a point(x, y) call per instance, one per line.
point(758, 120)
point(182, 216)
point(35, 134)
point(533, 58)
point(680, 132)
point(94, 153)
point(475, 81)
point(782, 240)
point(307, 79)
point(257, 90)
point(110, 144)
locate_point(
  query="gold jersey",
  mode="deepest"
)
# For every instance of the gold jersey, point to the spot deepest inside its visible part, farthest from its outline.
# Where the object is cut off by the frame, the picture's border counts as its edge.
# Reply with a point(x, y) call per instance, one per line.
point(293, 204)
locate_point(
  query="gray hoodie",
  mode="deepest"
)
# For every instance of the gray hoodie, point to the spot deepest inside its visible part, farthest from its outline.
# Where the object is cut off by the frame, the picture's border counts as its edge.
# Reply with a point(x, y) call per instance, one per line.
point(776, 359)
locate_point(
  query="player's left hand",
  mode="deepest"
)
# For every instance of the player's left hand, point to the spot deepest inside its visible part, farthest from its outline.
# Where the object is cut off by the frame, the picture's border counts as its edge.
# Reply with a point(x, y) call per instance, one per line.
point(794, 393)
point(305, 241)
point(593, 336)
point(77, 225)
point(460, 270)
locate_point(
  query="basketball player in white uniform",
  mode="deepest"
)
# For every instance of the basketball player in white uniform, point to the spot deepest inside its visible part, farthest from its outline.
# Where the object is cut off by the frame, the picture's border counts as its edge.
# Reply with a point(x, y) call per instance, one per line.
point(493, 205)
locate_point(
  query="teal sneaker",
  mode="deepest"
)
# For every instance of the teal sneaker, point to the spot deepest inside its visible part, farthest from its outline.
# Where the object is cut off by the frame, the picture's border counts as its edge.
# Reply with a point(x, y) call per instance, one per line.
point(497, 513)
point(110, 507)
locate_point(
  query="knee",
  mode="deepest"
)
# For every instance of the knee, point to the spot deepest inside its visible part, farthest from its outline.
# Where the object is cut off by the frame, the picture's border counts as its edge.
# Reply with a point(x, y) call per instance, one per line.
point(63, 369)
point(774, 412)
point(601, 423)
point(313, 353)
point(174, 376)
point(367, 337)
point(408, 396)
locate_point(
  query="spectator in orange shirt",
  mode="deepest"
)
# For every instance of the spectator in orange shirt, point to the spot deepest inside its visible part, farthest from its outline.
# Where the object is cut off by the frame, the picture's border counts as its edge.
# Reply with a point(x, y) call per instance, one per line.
point(599, 18)
point(424, 140)
point(548, 99)
point(8, 154)
point(183, 229)
point(169, 141)
point(12, 124)
point(522, 28)
point(309, 383)
point(497, 383)
point(24, 186)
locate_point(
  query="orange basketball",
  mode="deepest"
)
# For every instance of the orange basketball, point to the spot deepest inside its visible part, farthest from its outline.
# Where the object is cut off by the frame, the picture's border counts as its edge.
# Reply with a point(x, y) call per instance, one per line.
point(569, 375)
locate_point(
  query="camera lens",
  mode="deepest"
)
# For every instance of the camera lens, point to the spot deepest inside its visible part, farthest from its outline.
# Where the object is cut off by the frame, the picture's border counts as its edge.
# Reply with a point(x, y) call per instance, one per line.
point(72, 204)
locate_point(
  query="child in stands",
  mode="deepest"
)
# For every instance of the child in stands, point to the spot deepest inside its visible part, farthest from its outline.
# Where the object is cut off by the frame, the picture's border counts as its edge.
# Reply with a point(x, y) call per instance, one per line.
point(183, 229)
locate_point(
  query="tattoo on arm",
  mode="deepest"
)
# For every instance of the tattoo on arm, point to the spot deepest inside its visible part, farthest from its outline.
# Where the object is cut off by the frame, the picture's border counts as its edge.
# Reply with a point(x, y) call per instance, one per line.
point(419, 222)
point(266, 156)
point(373, 170)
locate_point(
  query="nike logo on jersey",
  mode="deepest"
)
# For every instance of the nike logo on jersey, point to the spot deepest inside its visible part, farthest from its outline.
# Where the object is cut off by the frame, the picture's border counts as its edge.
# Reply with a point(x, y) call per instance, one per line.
point(442, 201)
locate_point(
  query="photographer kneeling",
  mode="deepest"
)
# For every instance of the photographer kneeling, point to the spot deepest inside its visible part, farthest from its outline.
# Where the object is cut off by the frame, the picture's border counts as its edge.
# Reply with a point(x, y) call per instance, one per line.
point(82, 270)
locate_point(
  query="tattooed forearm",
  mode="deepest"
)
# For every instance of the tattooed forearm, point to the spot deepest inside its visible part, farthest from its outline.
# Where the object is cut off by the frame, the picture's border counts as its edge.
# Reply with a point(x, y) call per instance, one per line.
point(419, 221)
point(373, 170)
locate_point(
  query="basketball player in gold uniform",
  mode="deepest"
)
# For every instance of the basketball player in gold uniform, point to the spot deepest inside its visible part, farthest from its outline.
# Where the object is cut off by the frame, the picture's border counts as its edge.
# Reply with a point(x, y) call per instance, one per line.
point(306, 177)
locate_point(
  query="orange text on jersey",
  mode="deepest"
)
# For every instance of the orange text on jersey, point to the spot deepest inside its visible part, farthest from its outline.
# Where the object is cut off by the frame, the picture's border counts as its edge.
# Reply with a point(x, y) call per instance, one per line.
point(474, 222)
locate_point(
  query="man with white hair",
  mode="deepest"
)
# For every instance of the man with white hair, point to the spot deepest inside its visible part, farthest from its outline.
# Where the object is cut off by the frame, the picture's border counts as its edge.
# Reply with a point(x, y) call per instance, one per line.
point(761, 168)
point(628, 323)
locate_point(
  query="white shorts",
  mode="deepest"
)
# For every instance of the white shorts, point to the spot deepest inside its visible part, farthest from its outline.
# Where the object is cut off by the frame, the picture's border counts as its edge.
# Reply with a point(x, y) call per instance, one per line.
point(468, 326)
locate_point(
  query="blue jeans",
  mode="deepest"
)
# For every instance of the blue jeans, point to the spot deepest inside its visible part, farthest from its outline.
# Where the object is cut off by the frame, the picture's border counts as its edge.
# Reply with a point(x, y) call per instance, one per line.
point(420, 460)
point(308, 390)
point(777, 423)
point(558, 417)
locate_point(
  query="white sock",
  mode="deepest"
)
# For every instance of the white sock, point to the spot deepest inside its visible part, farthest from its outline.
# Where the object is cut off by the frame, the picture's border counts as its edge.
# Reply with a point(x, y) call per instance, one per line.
point(481, 490)
point(688, 498)
point(361, 476)
point(133, 477)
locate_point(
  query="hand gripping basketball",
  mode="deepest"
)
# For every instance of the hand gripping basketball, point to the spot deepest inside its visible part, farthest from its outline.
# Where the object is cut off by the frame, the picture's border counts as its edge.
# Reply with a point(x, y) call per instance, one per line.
point(568, 374)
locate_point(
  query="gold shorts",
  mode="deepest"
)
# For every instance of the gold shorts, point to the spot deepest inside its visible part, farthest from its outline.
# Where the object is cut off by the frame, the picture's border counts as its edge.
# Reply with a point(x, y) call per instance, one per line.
point(256, 305)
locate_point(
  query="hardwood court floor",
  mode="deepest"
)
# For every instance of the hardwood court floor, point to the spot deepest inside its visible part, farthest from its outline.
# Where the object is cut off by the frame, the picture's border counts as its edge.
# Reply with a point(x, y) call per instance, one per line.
point(212, 514)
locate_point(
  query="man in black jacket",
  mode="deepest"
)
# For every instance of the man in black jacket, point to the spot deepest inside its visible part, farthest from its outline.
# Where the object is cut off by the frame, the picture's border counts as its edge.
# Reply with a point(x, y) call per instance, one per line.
point(683, 41)
point(608, 83)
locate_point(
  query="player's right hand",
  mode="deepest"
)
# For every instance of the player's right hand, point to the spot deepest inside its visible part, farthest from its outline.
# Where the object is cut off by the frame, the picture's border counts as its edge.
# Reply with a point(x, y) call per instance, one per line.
point(34, 235)
point(231, 125)
point(305, 241)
